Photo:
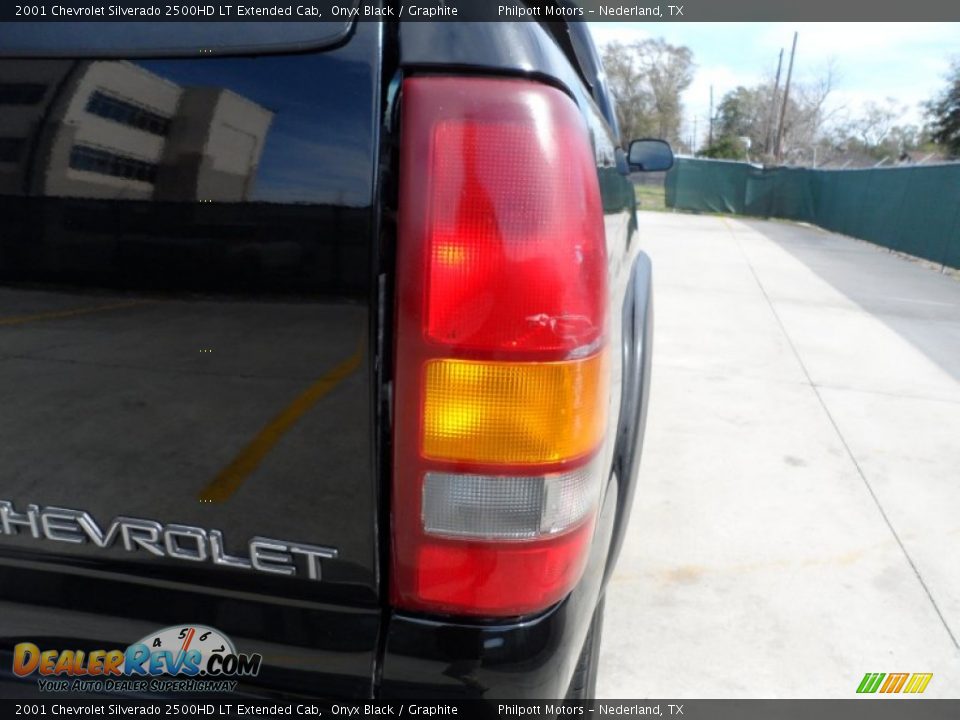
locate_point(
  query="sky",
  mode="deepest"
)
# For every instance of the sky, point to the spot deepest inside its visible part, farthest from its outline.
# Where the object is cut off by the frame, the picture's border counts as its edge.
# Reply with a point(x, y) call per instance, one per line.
point(873, 61)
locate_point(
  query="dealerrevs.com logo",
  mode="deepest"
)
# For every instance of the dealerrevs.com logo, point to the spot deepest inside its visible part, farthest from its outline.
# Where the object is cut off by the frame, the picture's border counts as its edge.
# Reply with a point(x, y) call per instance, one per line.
point(192, 658)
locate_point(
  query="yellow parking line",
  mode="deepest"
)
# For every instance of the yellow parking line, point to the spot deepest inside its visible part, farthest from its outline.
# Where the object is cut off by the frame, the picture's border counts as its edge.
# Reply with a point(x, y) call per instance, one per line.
point(230, 478)
point(57, 314)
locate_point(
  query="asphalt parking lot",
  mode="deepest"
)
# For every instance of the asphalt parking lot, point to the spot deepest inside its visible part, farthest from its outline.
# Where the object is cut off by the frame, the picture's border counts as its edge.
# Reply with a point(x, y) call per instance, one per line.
point(798, 519)
point(101, 392)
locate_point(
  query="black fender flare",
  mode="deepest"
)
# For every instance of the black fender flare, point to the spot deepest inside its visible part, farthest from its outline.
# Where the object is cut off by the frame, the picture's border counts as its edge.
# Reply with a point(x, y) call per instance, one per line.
point(637, 338)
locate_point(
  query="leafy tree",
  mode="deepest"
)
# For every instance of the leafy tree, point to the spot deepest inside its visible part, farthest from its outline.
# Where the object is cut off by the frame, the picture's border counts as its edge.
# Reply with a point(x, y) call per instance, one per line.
point(944, 113)
point(726, 147)
point(745, 112)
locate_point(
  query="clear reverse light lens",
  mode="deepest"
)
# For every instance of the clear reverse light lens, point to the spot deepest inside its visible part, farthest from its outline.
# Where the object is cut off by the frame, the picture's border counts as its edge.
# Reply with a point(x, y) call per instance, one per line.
point(489, 507)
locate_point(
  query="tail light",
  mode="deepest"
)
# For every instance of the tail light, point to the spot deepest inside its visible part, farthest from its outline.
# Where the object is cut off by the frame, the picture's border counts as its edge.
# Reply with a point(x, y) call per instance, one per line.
point(501, 362)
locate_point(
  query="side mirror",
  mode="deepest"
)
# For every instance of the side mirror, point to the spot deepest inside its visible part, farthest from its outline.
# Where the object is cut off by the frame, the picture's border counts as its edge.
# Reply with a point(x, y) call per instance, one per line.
point(650, 156)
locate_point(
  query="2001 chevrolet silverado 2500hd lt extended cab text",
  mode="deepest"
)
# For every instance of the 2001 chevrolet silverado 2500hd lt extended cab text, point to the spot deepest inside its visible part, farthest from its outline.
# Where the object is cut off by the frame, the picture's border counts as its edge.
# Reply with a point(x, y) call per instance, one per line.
point(331, 341)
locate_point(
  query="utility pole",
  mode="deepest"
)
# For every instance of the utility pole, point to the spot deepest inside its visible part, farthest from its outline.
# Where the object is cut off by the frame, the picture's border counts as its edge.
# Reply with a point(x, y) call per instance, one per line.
point(695, 134)
point(710, 136)
point(768, 141)
point(786, 99)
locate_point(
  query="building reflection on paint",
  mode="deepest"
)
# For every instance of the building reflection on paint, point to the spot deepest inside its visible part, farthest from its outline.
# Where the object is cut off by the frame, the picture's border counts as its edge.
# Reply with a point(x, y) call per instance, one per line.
point(171, 175)
point(104, 129)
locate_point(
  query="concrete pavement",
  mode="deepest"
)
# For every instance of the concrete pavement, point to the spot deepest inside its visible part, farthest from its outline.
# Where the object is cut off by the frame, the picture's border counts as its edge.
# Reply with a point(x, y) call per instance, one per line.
point(798, 519)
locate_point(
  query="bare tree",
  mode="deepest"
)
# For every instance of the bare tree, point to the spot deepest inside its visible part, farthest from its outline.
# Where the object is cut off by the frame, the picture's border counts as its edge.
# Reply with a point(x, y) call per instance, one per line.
point(807, 113)
point(648, 78)
point(874, 123)
point(669, 71)
point(745, 113)
point(634, 99)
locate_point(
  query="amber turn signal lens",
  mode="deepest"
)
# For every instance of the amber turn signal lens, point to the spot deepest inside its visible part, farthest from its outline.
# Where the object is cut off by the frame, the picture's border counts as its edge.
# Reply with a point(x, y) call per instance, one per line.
point(513, 412)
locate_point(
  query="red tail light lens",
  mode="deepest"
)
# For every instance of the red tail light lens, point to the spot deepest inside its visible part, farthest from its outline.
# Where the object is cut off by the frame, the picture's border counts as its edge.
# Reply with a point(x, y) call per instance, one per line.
point(508, 217)
point(501, 373)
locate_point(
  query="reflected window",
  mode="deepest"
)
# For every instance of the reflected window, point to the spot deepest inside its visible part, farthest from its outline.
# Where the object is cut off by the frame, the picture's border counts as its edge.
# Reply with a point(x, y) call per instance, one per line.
point(22, 93)
point(127, 113)
point(104, 162)
point(11, 149)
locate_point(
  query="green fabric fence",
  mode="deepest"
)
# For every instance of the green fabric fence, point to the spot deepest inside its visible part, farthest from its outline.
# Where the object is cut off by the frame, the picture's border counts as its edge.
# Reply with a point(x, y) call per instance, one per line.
point(914, 209)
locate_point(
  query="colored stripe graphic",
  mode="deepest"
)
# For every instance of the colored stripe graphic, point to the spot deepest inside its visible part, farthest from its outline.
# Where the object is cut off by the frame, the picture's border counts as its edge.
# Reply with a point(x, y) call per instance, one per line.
point(918, 683)
point(894, 682)
point(870, 682)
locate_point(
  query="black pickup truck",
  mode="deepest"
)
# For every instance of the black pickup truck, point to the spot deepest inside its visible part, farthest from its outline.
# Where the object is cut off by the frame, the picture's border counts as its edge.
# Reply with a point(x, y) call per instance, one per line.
point(324, 356)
